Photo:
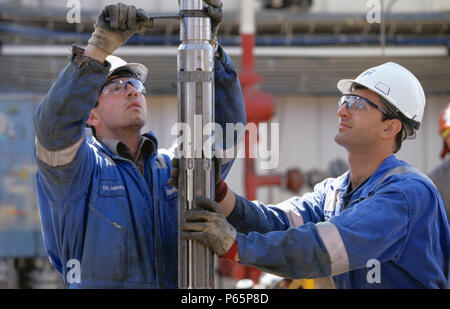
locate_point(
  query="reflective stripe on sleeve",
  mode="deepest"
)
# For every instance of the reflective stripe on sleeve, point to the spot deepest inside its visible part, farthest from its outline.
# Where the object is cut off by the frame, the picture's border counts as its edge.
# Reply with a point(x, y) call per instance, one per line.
point(57, 158)
point(332, 240)
point(293, 214)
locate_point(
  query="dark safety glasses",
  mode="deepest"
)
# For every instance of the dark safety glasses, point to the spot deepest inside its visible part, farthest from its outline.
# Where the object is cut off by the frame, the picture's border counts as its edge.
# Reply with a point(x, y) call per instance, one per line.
point(358, 103)
point(118, 85)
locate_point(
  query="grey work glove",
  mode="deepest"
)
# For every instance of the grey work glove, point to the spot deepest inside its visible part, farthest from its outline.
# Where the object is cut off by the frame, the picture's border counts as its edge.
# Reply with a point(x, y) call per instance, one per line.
point(209, 226)
point(116, 24)
point(173, 180)
point(214, 9)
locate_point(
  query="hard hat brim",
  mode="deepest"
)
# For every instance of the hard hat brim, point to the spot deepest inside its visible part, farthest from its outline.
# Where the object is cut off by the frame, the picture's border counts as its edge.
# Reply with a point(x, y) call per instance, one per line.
point(117, 64)
point(345, 85)
point(139, 70)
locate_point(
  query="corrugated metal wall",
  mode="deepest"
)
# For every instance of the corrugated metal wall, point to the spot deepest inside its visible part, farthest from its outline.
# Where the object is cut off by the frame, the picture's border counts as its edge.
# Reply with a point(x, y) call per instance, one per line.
point(282, 75)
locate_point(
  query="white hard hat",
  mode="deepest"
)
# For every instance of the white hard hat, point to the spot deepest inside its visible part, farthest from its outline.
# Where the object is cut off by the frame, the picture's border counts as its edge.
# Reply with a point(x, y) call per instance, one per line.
point(396, 85)
point(138, 70)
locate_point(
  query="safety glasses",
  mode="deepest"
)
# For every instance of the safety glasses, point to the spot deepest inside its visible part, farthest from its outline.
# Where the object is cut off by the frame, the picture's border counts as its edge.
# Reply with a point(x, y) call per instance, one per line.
point(118, 85)
point(358, 103)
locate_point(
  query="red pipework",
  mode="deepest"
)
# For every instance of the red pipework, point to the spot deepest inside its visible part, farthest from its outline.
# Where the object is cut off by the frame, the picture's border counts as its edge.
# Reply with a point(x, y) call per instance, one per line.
point(253, 180)
point(259, 107)
point(247, 44)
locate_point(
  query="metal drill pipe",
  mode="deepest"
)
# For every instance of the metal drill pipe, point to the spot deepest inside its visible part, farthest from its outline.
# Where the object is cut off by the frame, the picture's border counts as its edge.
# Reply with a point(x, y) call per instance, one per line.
point(195, 109)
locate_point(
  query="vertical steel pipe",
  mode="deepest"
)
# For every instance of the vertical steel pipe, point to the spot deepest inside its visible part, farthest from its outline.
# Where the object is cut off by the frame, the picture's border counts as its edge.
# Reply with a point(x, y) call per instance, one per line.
point(195, 112)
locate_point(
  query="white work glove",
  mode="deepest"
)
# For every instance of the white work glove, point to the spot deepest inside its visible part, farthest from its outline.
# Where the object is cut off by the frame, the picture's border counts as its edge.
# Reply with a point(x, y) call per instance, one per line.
point(209, 226)
point(116, 24)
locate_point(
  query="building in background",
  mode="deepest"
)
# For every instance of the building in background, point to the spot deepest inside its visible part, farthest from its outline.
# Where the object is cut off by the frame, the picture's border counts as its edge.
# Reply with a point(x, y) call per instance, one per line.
point(302, 49)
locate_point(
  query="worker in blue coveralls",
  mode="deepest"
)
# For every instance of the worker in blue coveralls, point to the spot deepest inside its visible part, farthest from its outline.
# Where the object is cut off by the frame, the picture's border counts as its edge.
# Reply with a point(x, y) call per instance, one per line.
point(108, 215)
point(382, 224)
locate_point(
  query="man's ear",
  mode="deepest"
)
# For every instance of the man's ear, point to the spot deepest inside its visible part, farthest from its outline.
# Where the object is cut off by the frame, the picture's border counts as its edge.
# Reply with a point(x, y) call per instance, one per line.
point(93, 119)
point(392, 128)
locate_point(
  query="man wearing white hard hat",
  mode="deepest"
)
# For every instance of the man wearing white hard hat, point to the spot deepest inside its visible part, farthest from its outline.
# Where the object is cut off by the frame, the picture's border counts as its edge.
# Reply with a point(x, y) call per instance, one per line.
point(382, 224)
point(108, 214)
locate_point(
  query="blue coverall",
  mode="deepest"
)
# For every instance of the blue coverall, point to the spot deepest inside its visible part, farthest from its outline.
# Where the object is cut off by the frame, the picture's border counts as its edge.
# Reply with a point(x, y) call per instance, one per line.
point(394, 224)
point(99, 214)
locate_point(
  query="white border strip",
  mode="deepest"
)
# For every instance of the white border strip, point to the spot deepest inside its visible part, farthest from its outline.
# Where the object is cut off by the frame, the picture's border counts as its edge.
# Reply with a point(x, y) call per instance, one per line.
point(317, 52)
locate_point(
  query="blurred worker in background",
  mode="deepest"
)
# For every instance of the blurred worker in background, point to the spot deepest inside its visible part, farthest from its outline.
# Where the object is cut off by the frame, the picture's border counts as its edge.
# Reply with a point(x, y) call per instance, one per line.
point(441, 174)
point(109, 218)
point(382, 224)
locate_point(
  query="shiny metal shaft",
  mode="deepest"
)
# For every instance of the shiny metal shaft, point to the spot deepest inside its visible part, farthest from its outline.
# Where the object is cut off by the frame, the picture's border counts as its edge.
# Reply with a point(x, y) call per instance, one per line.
point(195, 111)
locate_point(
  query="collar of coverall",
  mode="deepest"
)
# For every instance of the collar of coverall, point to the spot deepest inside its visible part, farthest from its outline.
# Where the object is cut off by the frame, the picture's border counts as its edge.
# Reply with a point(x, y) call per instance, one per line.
point(118, 148)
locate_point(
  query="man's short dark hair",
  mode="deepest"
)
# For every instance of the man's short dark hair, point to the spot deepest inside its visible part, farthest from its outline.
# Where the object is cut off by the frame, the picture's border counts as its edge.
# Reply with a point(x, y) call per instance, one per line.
point(399, 136)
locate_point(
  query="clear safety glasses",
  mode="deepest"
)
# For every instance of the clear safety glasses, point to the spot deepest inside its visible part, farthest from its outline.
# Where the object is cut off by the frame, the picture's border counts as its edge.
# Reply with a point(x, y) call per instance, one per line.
point(358, 103)
point(118, 85)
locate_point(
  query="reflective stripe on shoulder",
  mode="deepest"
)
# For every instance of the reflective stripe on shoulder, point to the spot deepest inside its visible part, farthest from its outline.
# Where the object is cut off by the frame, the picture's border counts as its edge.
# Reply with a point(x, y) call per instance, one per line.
point(332, 240)
point(293, 214)
point(57, 158)
point(161, 162)
point(400, 170)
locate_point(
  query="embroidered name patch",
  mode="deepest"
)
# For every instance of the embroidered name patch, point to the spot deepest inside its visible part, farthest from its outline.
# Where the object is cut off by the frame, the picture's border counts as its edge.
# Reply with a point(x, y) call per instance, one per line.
point(112, 188)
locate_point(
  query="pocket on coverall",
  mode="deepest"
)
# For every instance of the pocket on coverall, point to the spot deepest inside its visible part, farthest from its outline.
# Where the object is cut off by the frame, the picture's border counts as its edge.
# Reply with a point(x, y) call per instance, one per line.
point(105, 254)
